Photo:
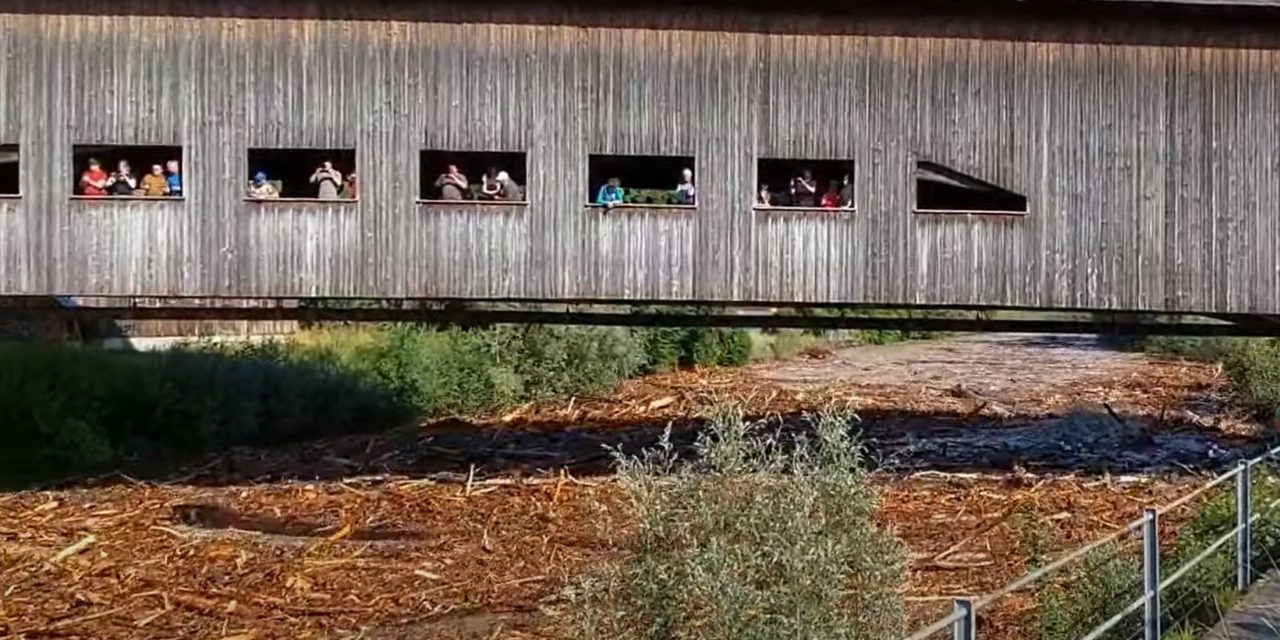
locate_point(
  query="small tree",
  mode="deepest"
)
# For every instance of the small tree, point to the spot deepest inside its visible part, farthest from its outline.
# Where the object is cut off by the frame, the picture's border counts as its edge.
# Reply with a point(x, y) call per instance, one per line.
point(761, 537)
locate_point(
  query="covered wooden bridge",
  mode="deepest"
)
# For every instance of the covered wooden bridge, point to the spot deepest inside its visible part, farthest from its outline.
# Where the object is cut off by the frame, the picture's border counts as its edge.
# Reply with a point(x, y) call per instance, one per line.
point(1040, 154)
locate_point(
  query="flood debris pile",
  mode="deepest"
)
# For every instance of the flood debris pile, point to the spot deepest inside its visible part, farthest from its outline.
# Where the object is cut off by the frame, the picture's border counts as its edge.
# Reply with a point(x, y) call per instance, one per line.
point(476, 527)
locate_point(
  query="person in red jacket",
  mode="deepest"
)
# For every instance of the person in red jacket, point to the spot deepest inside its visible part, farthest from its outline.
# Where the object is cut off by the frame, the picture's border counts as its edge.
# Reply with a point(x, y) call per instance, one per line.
point(93, 182)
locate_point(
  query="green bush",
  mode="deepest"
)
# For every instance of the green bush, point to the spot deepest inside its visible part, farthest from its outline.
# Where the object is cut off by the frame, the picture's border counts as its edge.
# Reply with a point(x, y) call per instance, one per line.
point(1207, 349)
point(1207, 591)
point(650, 196)
point(669, 347)
point(550, 362)
point(67, 410)
point(1109, 578)
point(1096, 588)
point(1252, 365)
point(755, 539)
point(1254, 369)
point(439, 372)
point(664, 348)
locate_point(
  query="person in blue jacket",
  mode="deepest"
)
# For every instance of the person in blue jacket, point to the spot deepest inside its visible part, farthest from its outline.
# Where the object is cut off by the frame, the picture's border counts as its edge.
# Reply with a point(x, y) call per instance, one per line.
point(174, 170)
point(611, 193)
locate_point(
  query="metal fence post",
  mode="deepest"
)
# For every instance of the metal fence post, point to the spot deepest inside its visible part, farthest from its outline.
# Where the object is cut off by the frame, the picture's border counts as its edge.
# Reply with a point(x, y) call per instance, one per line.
point(1244, 512)
point(1151, 575)
point(966, 628)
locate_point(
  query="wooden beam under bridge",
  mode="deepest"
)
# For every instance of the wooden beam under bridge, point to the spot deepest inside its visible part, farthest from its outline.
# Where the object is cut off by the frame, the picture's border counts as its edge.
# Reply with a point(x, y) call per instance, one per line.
point(485, 313)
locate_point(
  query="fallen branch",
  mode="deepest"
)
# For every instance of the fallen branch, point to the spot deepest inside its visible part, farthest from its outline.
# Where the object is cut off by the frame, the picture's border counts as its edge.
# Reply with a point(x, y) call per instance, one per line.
point(67, 622)
point(74, 549)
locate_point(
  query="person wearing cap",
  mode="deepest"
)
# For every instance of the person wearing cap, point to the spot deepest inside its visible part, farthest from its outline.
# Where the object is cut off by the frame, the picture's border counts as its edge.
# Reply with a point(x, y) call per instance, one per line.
point(261, 189)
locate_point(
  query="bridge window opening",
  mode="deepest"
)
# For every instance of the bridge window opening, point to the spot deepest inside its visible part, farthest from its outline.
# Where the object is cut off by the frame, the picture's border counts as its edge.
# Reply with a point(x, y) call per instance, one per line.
point(9, 174)
point(144, 171)
point(302, 174)
point(943, 190)
point(483, 176)
point(804, 184)
point(641, 180)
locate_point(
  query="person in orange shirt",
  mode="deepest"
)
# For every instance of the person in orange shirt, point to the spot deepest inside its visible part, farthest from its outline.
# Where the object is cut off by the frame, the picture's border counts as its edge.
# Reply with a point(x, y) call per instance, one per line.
point(93, 182)
point(155, 184)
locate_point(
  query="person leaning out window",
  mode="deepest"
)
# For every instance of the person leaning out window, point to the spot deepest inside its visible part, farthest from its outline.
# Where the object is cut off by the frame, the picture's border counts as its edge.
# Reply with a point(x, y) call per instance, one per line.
point(452, 184)
point(173, 169)
point(122, 182)
point(93, 182)
point(611, 193)
point(328, 181)
point(686, 194)
point(155, 184)
point(507, 188)
point(261, 189)
point(804, 190)
point(351, 188)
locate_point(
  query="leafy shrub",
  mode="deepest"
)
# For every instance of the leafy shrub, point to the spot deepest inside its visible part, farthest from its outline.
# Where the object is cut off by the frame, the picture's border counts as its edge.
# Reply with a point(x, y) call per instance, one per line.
point(664, 348)
point(553, 362)
point(1110, 577)
point(1253, 366)
point(1207, 349)
point(881, 336)
point(1254, 369)
point(66, 410)
point(452, 371)
point(668, 347)
point(650, 196)
point(1207, 591)
point(1097, 587)
point(755, 539)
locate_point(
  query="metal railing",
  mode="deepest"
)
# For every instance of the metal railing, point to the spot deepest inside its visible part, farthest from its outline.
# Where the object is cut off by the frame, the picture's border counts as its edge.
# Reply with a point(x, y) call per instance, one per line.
point(962, 621)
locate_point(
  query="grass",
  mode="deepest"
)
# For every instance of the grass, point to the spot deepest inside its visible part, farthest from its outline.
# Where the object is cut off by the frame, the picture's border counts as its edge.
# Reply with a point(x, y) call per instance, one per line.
point(759, 537)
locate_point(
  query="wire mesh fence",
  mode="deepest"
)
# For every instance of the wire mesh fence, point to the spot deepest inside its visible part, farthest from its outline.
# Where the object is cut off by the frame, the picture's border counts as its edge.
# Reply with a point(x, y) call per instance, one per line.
point(1174, 573)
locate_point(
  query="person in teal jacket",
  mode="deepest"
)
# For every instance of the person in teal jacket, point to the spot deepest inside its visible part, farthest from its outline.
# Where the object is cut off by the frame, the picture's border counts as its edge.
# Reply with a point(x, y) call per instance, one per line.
point(611, 193)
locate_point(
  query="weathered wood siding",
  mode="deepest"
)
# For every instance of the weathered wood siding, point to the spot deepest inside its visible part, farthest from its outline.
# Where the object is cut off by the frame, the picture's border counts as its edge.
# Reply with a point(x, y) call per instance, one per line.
point(1152, 172)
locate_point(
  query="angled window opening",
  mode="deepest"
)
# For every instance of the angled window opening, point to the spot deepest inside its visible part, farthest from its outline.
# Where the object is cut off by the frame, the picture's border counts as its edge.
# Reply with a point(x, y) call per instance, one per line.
point(301, 174)
point(151, 172)
point(10, 156)
point(479, 176)
point(797, 183)
point(940, 189)
point(645, 181)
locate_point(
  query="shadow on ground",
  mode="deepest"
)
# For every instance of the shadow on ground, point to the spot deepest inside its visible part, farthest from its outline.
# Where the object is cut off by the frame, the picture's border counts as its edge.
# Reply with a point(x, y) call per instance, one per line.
point(1082, 442)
